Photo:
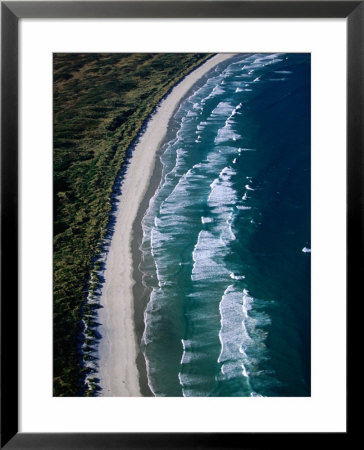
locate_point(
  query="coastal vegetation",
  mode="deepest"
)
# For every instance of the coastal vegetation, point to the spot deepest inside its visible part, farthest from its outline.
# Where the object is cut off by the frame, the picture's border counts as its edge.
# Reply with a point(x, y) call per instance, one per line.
point(101, 102)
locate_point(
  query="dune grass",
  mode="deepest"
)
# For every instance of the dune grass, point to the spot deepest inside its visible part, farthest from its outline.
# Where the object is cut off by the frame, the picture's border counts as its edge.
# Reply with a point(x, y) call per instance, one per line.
point(100, 103)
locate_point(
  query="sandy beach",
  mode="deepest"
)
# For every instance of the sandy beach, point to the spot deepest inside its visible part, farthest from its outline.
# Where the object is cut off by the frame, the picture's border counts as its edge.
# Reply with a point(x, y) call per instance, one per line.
point(118, 348)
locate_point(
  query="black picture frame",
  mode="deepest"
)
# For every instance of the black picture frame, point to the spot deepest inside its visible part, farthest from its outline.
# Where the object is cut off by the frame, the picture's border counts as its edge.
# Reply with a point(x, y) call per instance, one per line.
point(11, 12)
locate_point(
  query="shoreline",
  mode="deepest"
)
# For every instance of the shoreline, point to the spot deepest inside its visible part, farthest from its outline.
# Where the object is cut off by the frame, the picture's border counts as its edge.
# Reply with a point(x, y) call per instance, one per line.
point(122, 370)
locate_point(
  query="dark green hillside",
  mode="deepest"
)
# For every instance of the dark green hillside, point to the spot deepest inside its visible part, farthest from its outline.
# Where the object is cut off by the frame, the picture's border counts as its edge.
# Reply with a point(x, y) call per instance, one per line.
point(100, 104)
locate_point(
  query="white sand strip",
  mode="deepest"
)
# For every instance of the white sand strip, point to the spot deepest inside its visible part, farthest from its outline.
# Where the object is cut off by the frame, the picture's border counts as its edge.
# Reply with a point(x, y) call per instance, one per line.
point(118, 372)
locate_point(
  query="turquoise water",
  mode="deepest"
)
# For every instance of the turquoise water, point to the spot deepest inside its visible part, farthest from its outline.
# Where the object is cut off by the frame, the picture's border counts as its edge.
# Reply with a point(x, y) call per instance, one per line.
point(226, 245)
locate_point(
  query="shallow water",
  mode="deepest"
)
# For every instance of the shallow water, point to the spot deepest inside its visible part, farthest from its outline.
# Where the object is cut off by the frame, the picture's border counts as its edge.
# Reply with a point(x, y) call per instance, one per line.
point(226, 237)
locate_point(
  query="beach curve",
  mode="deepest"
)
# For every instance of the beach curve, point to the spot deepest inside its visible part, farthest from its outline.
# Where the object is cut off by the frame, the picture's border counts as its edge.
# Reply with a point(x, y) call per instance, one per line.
point(118, 349)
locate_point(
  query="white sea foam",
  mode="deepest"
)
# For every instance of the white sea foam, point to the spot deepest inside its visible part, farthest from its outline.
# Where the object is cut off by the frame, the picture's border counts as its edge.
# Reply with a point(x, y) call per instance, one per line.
point(237, 277)
point(191, 114)
point(244, 372)
point(247, 302)
point(229, 222)
point(197, 106)
point(191, 382)
point(158, 238)
point(184, 350)
point(226, 134)
point(232, 335)
point(254, 394)
point(241, 336)
point(207, 253)
point(222, 109)
point(222, 193)
point(217, 90)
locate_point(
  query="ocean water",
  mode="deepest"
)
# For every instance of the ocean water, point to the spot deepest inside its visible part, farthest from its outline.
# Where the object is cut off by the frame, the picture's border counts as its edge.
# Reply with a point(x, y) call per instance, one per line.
point(226, 237)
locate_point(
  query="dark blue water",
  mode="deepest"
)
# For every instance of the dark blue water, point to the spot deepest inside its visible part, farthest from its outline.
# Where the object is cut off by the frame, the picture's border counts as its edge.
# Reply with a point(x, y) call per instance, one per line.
point(226, 247)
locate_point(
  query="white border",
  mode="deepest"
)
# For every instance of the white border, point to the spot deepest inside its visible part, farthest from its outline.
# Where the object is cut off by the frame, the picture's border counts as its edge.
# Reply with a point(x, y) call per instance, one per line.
point(325, 410)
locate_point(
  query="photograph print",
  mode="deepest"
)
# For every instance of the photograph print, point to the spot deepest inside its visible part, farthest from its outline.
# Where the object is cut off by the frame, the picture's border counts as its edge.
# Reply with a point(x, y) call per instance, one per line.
point(182, 224)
